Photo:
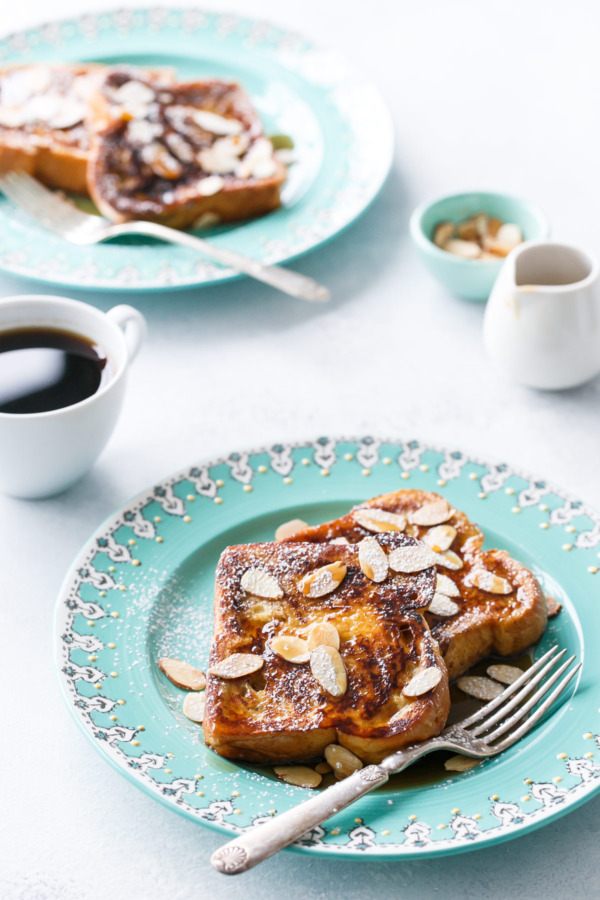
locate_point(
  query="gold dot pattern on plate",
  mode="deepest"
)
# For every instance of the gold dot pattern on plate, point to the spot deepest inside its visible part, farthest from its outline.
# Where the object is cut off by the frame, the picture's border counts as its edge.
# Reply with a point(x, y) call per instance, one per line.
point(544, 525)
point(218, 500)
point(386, 461)
point(424, 468)
point(588, 755)
point(159, 539)
point(441, 482)
point(482, 495)
point(262, 469)
point(348, 457)
point(385, 832)
point(92, 658)
point(561, 756)
point(114, 675)
point(567, 546)
point(477, 816)
point(306, 462)
point(510, 491)
point(115, 615)
point(103, 593)
point(494, 797)
point(157, 519)
point(473, 476)
point(456, 810)
point(248, 488)
point(111, 569)
point(169, 771)
point(413, 818)
point(112, 645)
point(121, 702)
point(557, 779)
point(406, 475)
point(135, 743)
point(201, 793)
point(114, 719)
point(592, 569)
point(516, 509)
point(441, 827)
point(571, 529)
point(135, 562)
point(219, 482)
point(325, 472)
point(544, 507)
point(191, 497)
point(131, 542)
point(366, 471)
point(122, 587)
point(526, 798)
point(288, 480)
point(335, 831)
point(588, 735)
point(198, 777)
point(98, 686)
point(187, 518)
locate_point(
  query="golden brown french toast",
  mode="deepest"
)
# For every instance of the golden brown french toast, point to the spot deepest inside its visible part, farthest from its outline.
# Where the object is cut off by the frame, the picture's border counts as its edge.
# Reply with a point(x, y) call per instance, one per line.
point(309, 649)
point(177, 154)
point(485, 603)
point(42, 122)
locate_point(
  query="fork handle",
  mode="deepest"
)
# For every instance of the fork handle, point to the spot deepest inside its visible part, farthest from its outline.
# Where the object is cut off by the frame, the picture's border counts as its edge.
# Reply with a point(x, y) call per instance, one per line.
point(277, 276)
point(263, 841)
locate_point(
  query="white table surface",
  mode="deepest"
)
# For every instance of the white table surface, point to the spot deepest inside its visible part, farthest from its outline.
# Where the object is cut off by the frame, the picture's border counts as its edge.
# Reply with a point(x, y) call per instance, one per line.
point(498, 96)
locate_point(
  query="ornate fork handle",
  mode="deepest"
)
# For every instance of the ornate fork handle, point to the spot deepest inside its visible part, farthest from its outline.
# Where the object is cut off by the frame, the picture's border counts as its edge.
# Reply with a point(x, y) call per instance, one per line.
point(277, 276)
point(263, 841)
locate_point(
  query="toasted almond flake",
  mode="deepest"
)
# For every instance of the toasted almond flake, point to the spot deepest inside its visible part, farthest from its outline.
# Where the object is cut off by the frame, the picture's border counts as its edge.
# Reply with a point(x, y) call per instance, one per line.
point(342, 761)
point(328, 668)
point(216, 124)
point(464, 249)
point(323, 634)
point(434, 512)
point(423, 680)
point(301, 776)
point(287, 529)
point(509, 234)
point(414, 558)
point(238, 665)
point(323, 768)
point(445, 585)
point(292, 649)
point(461, 763)
point(480, 687)
point(554, 607)
point(504, 674)
point(379, 520)
point(449, 560)
point(412, 531)
point(182, 674)
point(372, 559)
point(210, 185)
point(489, 582)
point(440, 538)
point(340, 540)
point(193, 707)
point(324, 580)
point(443, 606)
point(261, 584)
point(443, 233)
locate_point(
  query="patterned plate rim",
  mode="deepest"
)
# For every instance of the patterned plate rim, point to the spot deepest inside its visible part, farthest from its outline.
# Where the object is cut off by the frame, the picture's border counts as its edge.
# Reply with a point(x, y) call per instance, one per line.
point(345, 86)
point(361, 841)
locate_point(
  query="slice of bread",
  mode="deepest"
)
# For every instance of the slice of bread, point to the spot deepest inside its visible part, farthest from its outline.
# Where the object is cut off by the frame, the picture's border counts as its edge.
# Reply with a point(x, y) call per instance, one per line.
point(177, 154)
point(498, 605)
point(42, 122)
point(289, 711)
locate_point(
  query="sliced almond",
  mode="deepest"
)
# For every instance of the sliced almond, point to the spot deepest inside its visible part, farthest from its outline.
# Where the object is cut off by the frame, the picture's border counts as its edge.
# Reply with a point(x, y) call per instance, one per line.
point(504, 674)
point(489, 582)
point(554, 607)
point(445, 585)
point(467, 231)
point(443, 233)
point(193, 707)
point(323, 634)
point(373, 559)
point(443, 606)
point(292, 649)
point(460, 763)
point(509, 234)
point(261, 584)
point(464, 249)
point(216, 124)
point(301, 776)
point(423, 681)
point(340, 540)
point(328, 668)
point(238, 665)
point(379, 520)
point(323, 768)
point(414, 558)
point(182, 674)
point(434, 512)
point(440, 538)
point(449, 560)
point(324, 580)
point(480, 687)
point(287, 529)
point(342, 761)
point(493, 226)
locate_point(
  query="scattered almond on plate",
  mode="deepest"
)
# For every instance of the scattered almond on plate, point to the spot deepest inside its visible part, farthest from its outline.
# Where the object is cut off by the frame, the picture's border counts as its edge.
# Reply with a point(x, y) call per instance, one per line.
point(481, 237)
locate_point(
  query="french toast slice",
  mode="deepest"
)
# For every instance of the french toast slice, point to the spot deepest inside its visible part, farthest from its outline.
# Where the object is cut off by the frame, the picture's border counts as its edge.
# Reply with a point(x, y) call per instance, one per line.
point(289, 711)
point(179, 154)
point(42, 122)
point(489, 604)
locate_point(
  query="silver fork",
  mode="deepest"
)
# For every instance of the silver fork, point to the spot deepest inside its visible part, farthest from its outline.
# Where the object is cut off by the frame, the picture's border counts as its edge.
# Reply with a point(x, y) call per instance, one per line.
point(59, 215)
point(489, 731)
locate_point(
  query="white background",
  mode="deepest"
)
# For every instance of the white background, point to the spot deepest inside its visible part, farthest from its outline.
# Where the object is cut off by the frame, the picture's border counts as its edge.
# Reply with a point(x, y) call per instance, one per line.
point(484, 95)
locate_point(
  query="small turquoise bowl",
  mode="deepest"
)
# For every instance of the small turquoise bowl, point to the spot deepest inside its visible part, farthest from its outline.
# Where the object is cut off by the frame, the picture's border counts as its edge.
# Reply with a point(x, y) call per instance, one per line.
point(471, 278)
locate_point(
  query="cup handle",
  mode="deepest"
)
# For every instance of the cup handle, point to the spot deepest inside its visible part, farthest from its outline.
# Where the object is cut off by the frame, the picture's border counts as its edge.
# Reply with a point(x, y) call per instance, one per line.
point(132, 324)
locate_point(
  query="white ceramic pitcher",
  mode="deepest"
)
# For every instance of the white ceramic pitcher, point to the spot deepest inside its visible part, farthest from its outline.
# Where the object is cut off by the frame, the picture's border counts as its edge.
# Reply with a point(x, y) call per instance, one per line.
point(542, 321)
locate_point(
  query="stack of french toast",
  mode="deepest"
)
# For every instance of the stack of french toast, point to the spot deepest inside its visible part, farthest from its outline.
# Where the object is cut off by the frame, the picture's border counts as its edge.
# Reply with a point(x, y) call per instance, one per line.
point(347, 634)
point(141, 145)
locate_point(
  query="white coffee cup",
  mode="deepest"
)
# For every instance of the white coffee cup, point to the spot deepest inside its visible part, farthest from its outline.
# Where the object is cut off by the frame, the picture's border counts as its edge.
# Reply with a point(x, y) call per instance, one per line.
point(42, 454)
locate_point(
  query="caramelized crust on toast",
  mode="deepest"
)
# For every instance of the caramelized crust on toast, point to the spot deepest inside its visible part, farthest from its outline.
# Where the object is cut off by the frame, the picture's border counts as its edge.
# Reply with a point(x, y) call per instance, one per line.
point(176, 153)
point(42, 122)
point(486, 622)
point(282, 713)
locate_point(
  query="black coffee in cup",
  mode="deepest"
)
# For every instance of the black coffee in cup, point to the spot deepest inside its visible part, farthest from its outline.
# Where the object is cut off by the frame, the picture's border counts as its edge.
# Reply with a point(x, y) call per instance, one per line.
point(42, 369)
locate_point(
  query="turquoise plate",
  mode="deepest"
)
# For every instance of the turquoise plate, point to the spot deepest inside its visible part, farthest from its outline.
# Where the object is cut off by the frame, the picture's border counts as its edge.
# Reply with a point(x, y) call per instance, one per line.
point(142, 588)
point(340, 126)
